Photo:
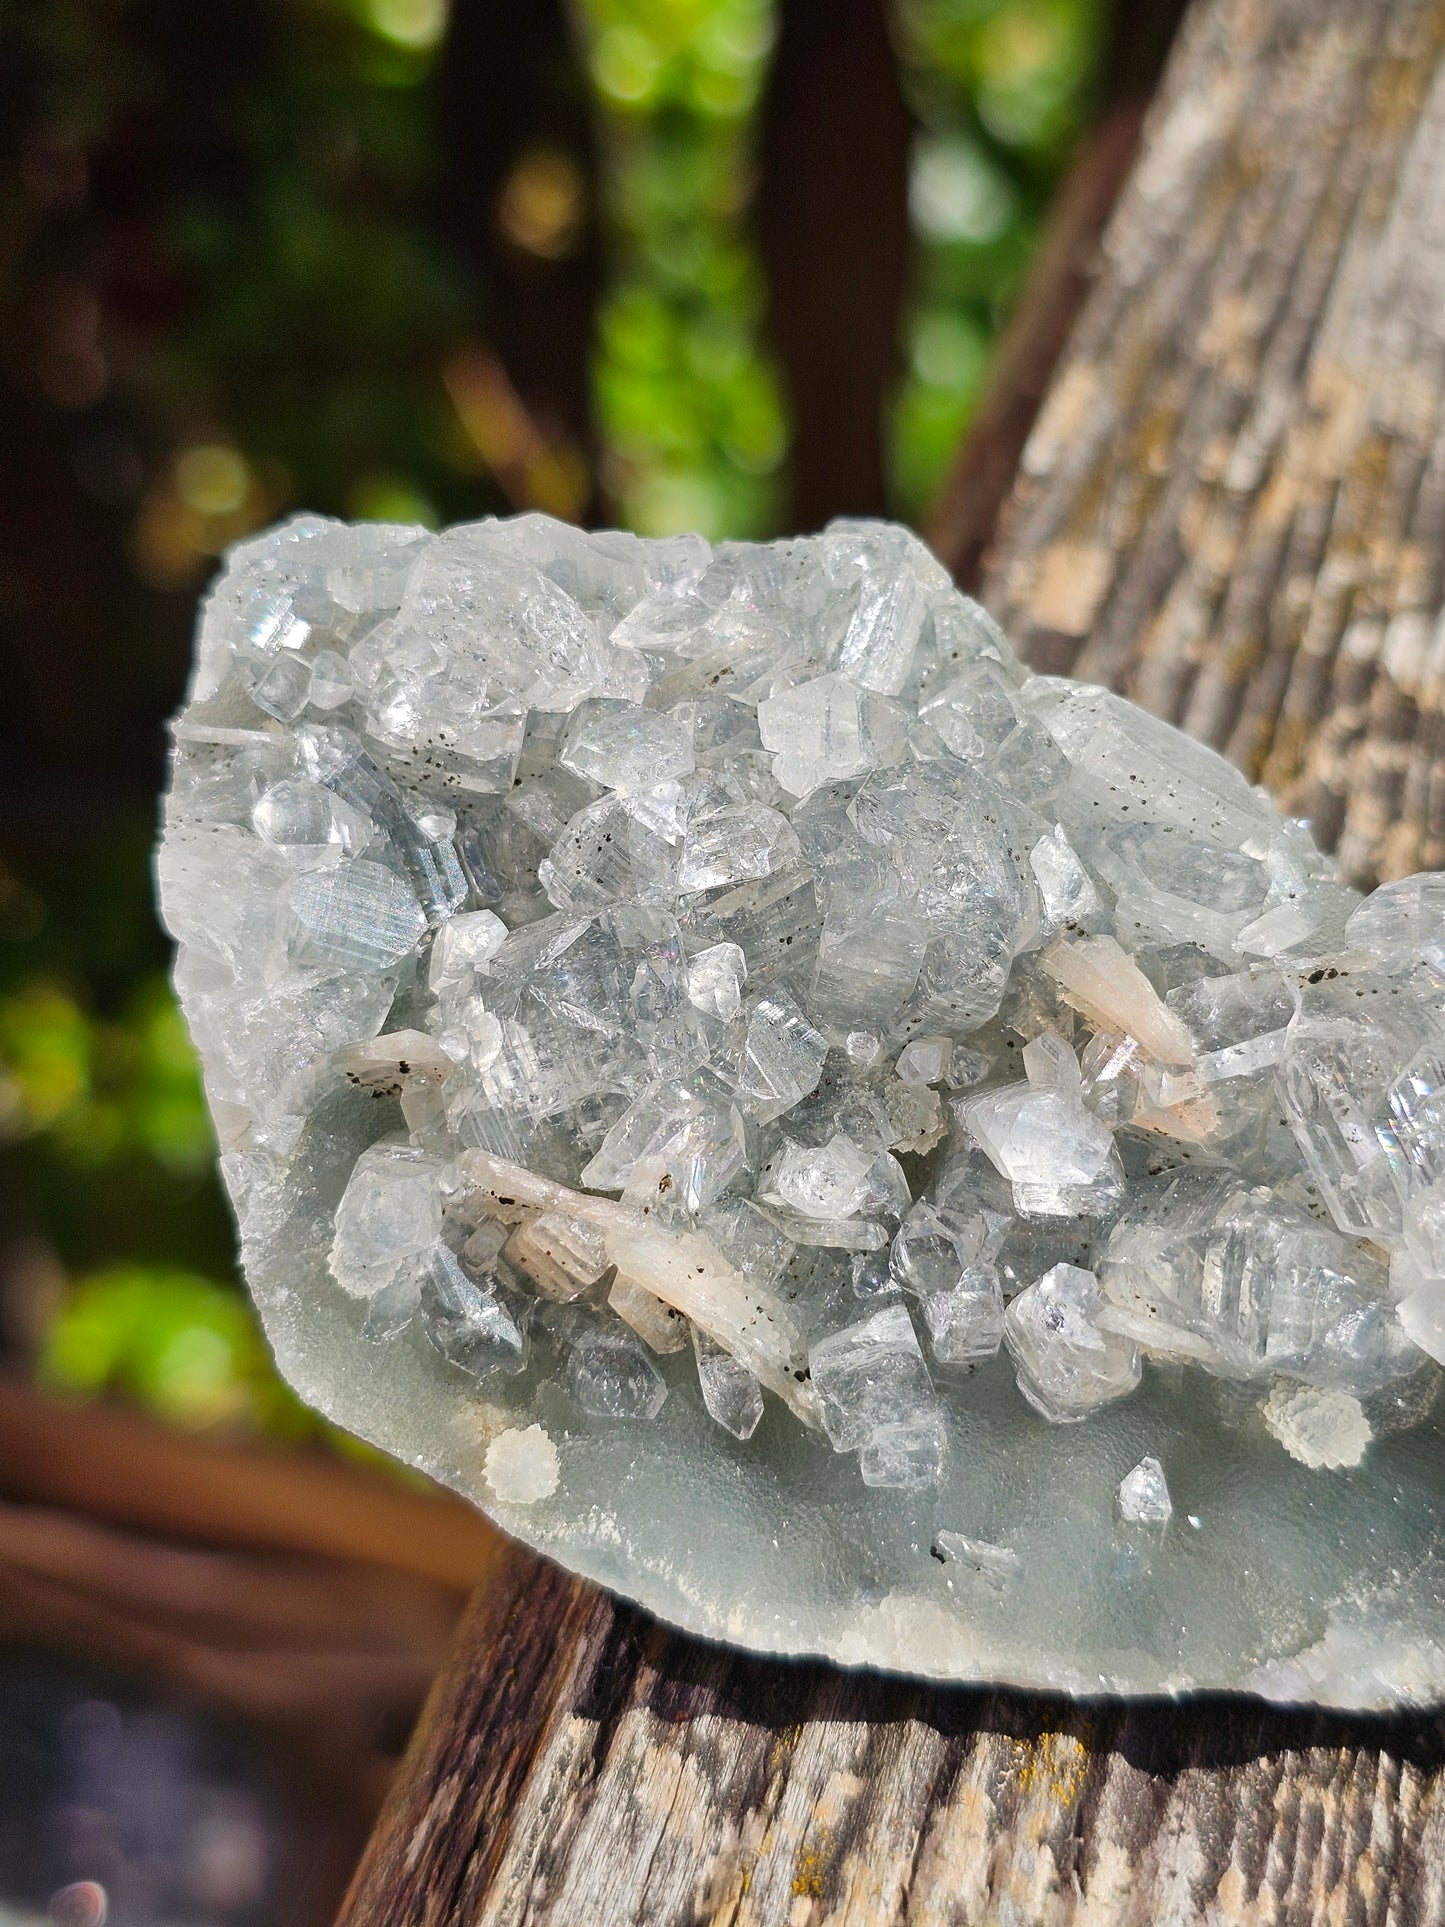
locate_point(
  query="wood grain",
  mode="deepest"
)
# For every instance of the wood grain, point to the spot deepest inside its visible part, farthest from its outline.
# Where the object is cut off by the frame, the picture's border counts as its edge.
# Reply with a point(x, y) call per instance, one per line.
point(299, 1594)
point(115, 1463)
point(1233, 504)
point(613, 1772)
point(962, 522)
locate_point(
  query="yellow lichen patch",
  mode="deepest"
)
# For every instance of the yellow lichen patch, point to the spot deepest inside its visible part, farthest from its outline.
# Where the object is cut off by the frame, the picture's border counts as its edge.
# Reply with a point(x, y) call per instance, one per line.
point(1230, 337)
point(1055, 1764)
point(808, 1869)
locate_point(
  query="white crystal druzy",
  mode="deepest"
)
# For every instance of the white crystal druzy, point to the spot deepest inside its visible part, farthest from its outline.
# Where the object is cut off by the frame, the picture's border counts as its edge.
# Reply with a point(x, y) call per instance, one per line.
point(718, 1063)
point(521, 1466)
point(1317, 1426)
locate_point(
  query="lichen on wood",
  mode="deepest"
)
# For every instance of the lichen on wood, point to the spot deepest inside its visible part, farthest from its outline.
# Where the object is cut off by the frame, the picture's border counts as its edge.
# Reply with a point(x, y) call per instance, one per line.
point(1232, 505)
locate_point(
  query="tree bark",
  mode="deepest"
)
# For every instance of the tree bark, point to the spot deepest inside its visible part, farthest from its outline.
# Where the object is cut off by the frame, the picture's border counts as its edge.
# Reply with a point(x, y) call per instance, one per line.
point(512, 90)
point(962, 521)
point(1233, 505)
point(832, 211)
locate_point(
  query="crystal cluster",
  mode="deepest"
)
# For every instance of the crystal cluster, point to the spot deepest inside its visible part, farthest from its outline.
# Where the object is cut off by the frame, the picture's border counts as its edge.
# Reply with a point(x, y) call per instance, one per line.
point(672, 1007)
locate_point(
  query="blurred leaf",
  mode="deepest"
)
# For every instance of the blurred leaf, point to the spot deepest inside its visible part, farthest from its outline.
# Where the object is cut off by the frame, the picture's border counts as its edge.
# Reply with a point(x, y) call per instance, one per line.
point(688, 406)
point(1001, 89)
point(102, 1090)
point(182, 1346)
point(45, 1050)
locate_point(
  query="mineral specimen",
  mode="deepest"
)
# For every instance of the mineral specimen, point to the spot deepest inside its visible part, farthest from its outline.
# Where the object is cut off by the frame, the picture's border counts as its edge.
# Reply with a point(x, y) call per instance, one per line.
point(1144, 1495)
point(716, 1061)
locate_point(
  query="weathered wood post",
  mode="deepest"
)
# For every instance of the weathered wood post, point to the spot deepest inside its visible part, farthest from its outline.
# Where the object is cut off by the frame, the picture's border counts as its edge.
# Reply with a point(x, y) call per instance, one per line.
point(1233, 506)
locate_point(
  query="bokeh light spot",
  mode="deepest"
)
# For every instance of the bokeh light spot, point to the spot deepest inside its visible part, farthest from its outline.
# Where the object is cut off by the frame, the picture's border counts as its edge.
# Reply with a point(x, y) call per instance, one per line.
point(417, 24)
point(82, 1904)
point(212, 479)
point(541, 204)
point(949, 350)
point(956, 194)
point(625, 64)
point(390, 498)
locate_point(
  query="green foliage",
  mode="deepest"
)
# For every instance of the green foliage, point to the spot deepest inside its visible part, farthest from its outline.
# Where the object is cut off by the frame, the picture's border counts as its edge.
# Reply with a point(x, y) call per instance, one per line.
point(1016, 67)
point(102, 1090)
point(187, 1350)
point(183, 1346)
point(323, 305)
point(999, 88)
point(107, 1159)
point(688, 405)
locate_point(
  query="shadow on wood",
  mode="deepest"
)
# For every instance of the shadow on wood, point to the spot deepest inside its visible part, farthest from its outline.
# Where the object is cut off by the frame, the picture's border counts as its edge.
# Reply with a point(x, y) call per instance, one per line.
point(580, 1766)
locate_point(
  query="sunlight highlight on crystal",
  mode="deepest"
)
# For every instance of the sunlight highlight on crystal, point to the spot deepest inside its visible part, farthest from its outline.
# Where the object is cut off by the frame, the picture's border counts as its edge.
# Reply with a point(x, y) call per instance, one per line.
point(810, 1123)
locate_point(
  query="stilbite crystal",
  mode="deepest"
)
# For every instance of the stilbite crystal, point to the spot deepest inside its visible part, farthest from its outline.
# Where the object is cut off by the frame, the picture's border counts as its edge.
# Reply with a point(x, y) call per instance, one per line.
point(717, 1062)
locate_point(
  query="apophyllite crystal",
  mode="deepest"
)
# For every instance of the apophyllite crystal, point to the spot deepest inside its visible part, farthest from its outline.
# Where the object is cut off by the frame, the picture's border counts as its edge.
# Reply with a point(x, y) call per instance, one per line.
point(864, 1149)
